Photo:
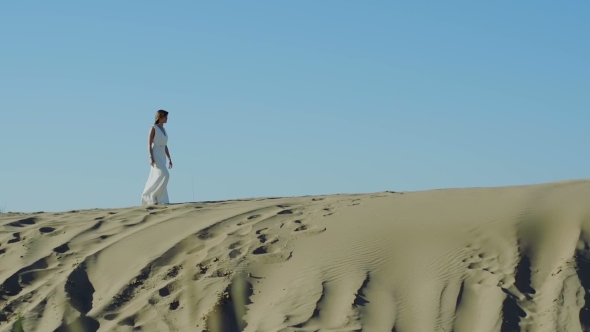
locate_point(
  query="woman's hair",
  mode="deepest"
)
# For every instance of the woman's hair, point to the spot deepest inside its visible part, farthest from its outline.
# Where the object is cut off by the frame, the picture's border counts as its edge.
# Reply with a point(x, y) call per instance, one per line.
point(160, 114)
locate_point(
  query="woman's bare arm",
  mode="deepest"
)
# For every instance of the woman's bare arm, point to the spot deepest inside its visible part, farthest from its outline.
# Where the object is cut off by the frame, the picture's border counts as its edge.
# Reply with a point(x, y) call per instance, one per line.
point(150, 141)
point(169, 159)
point(168, 153)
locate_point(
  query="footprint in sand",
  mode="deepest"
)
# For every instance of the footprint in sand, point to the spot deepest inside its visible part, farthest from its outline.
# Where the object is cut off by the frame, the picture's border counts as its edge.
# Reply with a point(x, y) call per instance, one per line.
point(482, 263)
point(45, 230)
point(235, 245)
point(262, 238)
point(299, 227)
point(23, 222)
point(62, 249)
point(250, 219)
point(129, 321)
point(221, 273)
point(111, 316)
point(16, 238)
point(174, 305)
point(235, 253)
point(205, 234)
point(328, 211)
point(173, 272)
point(355, 202)
point(164, 291)
point(271, 254)
point(204, 268)
point(264, 250)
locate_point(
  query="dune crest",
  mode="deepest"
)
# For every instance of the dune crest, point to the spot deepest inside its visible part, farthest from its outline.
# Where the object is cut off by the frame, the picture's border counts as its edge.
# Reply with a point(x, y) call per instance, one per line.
point(463, 260)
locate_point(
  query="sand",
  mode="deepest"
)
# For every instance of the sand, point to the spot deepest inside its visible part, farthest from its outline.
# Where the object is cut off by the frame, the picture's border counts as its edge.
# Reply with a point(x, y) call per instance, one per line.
point(463, 260)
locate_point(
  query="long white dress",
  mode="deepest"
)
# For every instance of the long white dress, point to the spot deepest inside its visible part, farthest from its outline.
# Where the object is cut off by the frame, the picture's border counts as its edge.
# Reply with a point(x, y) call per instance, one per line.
point(155, 191)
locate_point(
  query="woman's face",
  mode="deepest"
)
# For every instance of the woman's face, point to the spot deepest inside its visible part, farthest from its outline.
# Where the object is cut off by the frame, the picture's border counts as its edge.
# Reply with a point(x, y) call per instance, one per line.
point(164, 119)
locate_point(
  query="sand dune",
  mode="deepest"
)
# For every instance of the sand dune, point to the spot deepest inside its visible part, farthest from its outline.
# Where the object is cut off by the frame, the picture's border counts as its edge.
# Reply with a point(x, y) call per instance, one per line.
point(462, 260)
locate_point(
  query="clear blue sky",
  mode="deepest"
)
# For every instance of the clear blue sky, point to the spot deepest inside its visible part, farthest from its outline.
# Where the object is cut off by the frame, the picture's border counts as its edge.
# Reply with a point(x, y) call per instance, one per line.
point(289, 98)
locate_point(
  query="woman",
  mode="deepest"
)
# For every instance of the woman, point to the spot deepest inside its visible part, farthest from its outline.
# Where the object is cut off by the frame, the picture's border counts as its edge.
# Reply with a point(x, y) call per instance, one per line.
point(155, 191)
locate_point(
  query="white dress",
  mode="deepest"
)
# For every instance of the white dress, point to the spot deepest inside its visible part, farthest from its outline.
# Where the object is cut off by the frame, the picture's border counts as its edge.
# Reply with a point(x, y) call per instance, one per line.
point(155, 191)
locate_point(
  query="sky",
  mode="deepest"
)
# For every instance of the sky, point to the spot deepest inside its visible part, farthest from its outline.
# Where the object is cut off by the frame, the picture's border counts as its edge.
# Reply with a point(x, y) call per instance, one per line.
point(288, 98)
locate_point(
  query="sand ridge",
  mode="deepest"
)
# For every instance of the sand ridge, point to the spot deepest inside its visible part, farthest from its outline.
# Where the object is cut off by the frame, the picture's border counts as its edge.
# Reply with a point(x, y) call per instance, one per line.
point(462, 260)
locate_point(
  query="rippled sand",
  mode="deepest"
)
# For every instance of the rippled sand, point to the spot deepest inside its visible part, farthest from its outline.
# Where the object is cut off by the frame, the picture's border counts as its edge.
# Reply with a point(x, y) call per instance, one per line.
point(462, 260)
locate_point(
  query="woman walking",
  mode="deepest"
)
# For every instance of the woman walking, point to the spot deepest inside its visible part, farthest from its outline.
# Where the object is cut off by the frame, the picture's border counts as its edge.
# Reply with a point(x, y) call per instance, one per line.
point(155, 191)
